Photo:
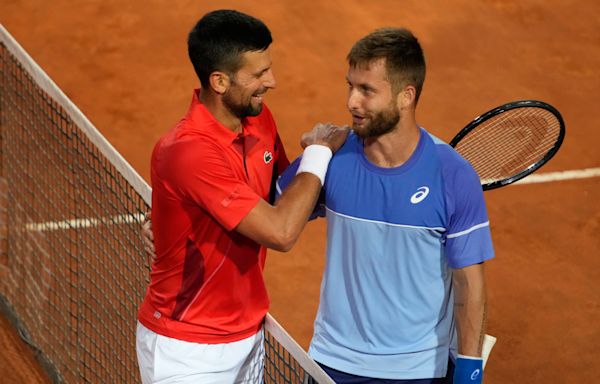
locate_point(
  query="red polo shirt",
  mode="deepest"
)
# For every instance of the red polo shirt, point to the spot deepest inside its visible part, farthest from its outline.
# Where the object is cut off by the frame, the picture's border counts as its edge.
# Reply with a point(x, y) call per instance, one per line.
point(207, 280)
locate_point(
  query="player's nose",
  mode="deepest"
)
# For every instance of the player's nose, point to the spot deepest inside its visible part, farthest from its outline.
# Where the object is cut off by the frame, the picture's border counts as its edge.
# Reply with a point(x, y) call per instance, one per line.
point(270, 80)
point(353, 102)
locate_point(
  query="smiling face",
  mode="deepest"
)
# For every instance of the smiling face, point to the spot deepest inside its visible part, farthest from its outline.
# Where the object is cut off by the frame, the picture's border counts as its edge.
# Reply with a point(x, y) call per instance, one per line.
point(247, 86)
point(370, 100)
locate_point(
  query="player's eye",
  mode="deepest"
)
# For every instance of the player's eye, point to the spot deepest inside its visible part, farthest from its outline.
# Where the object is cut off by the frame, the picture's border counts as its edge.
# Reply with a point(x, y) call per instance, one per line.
point(367, 90)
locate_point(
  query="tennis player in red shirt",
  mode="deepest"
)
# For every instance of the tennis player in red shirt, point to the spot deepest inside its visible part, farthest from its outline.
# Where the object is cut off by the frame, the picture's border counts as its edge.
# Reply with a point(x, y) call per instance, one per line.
point(212, 213)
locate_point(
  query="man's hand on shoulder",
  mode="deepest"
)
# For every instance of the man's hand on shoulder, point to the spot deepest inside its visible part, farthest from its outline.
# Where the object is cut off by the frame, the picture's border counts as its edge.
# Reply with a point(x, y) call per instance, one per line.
point(327, 134)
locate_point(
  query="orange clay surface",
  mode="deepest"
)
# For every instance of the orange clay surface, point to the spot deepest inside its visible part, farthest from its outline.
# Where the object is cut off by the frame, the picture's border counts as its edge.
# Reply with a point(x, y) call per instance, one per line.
point(125, 65)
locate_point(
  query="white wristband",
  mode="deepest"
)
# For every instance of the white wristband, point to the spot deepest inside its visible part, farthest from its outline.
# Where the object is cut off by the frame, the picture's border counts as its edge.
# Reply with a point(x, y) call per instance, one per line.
point(469, 357)
point(315, 160)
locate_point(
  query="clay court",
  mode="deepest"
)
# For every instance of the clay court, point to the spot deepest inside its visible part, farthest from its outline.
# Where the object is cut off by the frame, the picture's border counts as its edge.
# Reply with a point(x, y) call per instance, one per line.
point(125, 65)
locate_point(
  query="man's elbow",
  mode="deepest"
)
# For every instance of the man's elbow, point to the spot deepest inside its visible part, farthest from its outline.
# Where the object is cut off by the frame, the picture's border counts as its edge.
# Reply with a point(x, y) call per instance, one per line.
point(282, 242)
point(278, 238)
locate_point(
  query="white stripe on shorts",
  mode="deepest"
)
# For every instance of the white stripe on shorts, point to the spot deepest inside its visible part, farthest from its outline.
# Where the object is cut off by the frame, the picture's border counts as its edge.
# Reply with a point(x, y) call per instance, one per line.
point(165, 360)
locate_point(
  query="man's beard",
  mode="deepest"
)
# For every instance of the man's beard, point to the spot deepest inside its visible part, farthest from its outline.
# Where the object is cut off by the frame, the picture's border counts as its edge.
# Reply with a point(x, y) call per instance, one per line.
point(242, 110)
point(383, 122)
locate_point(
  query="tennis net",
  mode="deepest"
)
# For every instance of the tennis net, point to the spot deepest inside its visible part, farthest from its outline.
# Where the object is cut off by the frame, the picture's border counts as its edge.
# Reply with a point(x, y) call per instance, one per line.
point(72, 265)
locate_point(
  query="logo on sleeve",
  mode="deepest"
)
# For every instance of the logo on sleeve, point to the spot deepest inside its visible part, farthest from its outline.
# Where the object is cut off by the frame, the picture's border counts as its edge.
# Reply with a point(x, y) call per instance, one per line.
point(268, 156)
point(420, 195)
point(475, 374)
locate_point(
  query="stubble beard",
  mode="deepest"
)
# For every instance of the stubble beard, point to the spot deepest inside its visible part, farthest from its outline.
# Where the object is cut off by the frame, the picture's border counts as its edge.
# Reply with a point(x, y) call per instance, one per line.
point(241, 110)
point(383, 122)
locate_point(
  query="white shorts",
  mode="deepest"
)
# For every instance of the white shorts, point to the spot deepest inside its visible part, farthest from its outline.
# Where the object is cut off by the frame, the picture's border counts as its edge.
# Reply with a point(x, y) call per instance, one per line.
point(164, 360)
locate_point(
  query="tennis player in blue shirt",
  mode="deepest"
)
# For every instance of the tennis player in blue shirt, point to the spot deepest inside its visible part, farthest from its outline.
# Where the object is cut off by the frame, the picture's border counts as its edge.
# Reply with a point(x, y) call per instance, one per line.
point(403, 294)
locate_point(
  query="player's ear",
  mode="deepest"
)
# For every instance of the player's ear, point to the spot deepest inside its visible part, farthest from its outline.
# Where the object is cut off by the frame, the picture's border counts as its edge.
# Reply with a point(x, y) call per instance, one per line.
point(407, 96)
point(219, 82)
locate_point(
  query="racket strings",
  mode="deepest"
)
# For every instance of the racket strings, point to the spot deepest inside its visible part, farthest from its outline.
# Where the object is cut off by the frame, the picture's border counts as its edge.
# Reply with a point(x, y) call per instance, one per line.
point(510, 142)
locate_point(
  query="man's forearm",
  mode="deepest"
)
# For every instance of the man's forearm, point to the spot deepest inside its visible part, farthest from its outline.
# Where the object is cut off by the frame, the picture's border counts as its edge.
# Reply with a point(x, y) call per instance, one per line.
point(294, 207)
point(470, 309)
point(278, 226)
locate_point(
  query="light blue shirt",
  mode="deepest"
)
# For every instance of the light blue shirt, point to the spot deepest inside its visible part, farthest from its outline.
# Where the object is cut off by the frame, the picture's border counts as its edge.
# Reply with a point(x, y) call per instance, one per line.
point(386, 307)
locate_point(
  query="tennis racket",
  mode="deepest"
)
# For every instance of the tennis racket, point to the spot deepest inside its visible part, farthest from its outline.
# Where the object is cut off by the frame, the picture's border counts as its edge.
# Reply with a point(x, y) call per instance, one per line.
point(511, 141)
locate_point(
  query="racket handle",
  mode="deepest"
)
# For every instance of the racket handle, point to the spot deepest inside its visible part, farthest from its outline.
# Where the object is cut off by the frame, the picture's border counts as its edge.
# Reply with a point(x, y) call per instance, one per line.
point(488, 344)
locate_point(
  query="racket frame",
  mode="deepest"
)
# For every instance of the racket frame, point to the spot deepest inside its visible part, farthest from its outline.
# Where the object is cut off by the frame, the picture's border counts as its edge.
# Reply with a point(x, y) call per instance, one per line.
point(506, 107)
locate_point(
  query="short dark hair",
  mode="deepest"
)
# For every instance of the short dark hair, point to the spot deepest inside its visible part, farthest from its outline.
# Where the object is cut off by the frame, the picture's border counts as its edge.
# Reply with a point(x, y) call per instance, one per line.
point(404, 59)
point(220, 37)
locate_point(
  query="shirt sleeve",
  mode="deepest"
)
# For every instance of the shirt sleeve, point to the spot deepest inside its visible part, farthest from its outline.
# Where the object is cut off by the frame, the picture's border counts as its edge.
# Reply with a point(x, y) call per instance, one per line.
point(201, 175)
point(468, 236)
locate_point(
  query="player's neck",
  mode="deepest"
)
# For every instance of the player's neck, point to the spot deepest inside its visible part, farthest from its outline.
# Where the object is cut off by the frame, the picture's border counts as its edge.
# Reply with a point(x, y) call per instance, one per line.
point(222, 114)
point(394, 148)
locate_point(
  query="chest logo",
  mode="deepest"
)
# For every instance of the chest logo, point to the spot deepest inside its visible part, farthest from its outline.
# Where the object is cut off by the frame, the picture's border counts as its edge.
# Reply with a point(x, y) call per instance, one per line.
point(420, 195)
point(268, 157)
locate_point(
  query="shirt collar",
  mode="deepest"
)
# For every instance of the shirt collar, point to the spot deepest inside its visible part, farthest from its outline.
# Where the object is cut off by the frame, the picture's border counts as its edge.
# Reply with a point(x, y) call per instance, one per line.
point(204, 121)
